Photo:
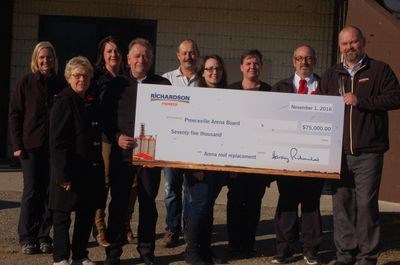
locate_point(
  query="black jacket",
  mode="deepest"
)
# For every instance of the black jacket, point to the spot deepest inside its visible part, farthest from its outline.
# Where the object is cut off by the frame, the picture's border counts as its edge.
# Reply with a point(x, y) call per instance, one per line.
point(286, 85)
point(238, 85)
point(100, 82)
point(29, 110)
point(75, 153)
point(119, 108)
point(366, 126)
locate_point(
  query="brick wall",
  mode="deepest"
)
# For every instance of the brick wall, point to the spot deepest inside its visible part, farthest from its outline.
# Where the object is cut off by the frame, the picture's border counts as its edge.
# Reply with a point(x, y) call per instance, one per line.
point(223, 27)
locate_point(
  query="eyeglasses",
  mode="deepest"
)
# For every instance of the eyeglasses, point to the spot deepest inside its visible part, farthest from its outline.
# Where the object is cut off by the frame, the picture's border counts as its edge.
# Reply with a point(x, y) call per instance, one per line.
point(306, 58)
point(212, 69)
point(78, 76)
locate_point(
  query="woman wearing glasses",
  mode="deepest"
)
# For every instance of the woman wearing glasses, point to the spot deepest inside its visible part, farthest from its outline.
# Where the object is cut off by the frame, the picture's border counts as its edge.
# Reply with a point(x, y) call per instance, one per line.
point(77, 168)
point(204, 186)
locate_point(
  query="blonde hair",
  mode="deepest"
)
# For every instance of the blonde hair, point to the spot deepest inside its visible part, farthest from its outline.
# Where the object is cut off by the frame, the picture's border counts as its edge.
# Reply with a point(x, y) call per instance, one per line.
point(35, 54)
point(78, 61)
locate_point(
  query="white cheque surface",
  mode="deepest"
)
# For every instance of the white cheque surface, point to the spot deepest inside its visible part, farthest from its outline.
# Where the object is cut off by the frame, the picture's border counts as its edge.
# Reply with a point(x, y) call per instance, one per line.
point(242, 128)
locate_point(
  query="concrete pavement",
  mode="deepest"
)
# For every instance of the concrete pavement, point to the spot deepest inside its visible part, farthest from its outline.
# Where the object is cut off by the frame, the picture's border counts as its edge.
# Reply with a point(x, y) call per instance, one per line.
point(10, 193)
point(12, 181)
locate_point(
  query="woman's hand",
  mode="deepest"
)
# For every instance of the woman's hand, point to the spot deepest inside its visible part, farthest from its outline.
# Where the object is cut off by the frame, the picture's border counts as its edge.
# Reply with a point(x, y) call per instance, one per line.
point(18, 153)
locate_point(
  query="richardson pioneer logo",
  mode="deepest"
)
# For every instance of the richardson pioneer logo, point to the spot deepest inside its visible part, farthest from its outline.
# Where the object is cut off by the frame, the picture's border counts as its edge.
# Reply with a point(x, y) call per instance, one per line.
point(169, 99)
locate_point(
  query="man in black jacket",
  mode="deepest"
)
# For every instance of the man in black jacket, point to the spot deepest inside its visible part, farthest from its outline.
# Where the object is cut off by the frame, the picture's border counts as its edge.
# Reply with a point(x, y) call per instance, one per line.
point(369, 89)
point(119, 113)
point(295, 190)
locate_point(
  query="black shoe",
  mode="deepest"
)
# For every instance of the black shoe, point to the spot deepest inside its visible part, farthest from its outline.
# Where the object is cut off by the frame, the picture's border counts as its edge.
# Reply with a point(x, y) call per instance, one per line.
point(249, 252)
point(112, 260)
point(311, 257)
point(194, 258)
point(148, 259)
point(46, 248)
point(234, 251)
point(282, 259)
point(311, 260)
point(29, 249)
point(210, 258)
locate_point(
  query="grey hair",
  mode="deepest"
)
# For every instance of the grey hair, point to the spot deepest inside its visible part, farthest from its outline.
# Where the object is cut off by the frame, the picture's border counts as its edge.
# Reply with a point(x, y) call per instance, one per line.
point(78, 61)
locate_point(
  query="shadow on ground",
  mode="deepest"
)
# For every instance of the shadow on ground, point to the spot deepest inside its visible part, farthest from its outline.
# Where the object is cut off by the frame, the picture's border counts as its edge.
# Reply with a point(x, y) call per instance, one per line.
point(9, 204)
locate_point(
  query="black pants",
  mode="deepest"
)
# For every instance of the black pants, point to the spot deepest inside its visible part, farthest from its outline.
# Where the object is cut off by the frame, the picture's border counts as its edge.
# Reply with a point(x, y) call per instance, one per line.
point(148, 180)
point(82, 227)
point(121, 180)
point(243, 209)
point(292, 192)
point(35, 218)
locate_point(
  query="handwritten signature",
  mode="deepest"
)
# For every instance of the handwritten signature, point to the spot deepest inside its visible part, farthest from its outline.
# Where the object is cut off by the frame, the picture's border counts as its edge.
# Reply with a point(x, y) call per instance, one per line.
point(293, 155)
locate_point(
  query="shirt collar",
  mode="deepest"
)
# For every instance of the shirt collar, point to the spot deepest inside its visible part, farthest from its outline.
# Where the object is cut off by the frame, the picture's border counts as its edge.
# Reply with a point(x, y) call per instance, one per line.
point(134, 78)
point(189, 81)
point(297, 78)
point(312, 82)
point(356, 67)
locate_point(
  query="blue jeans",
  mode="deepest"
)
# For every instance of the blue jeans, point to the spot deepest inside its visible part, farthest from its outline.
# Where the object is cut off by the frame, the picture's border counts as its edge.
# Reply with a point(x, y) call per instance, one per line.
point(173, 199)
point(201, 196)
point(355, 209)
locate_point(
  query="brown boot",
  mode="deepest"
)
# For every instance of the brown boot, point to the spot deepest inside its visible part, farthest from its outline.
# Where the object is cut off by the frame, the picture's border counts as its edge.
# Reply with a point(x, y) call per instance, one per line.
point(99, 228)
point(101, 238)
point(171, 239)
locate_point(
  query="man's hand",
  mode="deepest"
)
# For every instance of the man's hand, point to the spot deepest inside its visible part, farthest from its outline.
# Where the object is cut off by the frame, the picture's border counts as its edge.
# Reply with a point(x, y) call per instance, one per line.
point(18, 153)
point(126, 142)
point(350, 99)
point(66, 185)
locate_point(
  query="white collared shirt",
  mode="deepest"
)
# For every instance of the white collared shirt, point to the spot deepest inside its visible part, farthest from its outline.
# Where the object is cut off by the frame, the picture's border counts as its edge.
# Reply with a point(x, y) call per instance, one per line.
point(312, 83)
point(353, 71)
point(178, 79)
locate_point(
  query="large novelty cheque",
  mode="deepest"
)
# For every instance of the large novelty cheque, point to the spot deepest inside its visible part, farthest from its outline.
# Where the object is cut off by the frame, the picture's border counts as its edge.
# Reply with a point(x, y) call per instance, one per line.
point(239, 131)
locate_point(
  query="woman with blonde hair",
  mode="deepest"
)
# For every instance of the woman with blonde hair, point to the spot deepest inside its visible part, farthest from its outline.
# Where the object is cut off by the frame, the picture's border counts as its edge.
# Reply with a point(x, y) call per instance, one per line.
point(28, 118)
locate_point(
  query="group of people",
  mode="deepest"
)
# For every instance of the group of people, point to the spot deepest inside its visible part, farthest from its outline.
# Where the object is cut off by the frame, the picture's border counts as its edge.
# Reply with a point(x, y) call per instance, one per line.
point(74, 138)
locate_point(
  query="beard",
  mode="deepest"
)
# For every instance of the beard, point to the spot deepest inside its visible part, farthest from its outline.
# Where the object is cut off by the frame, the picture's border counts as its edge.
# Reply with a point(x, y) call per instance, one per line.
point(188, 62)
point(352, 56)
point(305, 70)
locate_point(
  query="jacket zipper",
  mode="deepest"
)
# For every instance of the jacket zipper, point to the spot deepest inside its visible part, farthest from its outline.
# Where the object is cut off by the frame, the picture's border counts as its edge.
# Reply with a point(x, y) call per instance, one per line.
point(351, 118)
point(351, 111)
